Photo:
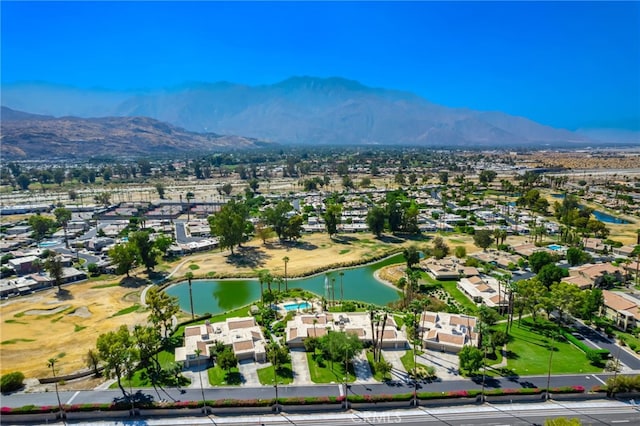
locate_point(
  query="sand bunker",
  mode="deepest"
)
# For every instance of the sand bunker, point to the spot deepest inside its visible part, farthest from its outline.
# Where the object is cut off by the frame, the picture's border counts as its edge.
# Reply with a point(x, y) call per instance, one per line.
point(47, 311)
point(82, 312)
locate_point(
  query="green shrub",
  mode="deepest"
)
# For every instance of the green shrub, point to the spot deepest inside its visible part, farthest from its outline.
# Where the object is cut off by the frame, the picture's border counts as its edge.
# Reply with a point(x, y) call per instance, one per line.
point(11, 381)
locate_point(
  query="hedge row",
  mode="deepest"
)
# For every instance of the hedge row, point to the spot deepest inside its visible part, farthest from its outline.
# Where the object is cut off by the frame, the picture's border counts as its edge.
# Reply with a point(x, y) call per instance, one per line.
point(32, 409)
point(601, 354)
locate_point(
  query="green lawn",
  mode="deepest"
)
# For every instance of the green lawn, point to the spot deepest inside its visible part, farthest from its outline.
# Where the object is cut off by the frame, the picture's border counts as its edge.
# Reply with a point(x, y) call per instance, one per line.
point(323, 373)
point(399, 319)
point(407, 361)
point(452, 288)
point(629, 339)
point(220, 377)
point(528, 353)
point(285, 375)
point(128, 310)
point(141, 379)
point(376, 374)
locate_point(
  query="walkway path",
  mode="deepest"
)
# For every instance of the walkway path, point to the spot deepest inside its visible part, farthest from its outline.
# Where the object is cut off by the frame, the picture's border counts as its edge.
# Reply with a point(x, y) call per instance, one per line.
point(362, 369)
point(143, 293)
point(301, 374)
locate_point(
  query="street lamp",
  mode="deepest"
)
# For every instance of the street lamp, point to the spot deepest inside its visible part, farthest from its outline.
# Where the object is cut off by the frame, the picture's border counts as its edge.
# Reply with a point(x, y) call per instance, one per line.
point(274, 361)
point(204, 402)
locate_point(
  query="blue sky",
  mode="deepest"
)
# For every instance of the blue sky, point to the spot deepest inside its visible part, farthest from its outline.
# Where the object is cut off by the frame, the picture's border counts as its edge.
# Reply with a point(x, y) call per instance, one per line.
point(568, 64)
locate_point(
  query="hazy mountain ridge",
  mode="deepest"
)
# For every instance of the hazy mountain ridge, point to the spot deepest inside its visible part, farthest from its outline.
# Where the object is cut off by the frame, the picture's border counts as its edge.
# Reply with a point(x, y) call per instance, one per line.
point(312, 110)
point(25, 135)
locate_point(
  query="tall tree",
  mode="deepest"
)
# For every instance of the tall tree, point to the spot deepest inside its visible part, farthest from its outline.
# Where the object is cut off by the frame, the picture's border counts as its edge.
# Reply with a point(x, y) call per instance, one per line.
point(482, 238)
point(40, 225)
point(470, 359)
point(277, 218)
point(119, 353)
point(124, 256)
point(63, 216)
point(53, 266)
point(332, 218)
point(375, 220)
point(163, 307)
point(229, 224)
point(286, 279)
point(411, 256)
point(145, 249)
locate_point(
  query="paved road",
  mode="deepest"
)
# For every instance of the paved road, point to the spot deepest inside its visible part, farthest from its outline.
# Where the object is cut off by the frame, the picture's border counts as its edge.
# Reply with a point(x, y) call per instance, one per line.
point(593, 412)
point(181, 233)
point(265, 392)
point(629, 360)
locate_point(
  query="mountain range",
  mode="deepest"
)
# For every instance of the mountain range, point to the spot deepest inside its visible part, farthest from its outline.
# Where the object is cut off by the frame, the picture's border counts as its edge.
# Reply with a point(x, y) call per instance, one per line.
point(24, 135)
point(300, 110)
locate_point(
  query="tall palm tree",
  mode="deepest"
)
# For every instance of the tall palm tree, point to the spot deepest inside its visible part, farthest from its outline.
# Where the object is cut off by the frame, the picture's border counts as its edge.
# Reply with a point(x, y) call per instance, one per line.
point(189, 276)
point(378, 354)
point(51, 363)
point(286, 281)
point(341, 289)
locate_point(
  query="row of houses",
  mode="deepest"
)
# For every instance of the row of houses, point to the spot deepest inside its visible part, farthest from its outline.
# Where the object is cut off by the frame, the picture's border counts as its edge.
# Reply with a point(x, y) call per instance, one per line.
point(438, 331)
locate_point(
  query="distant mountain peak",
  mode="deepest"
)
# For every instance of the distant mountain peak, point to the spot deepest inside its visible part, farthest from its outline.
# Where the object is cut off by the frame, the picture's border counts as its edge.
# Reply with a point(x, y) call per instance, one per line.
point(303, 110)
point(310, 82)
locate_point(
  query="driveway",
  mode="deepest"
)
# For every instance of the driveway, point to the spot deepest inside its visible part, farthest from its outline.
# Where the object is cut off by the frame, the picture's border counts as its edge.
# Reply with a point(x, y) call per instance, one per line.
point(362, 369)
point(446, 364)
point(301, 374)
point(397, 371)
point(249, 370)
point(195, 372)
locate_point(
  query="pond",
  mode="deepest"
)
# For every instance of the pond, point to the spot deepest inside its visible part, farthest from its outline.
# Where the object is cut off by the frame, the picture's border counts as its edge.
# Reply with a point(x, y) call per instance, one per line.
point(217, 296)
point(607, 218)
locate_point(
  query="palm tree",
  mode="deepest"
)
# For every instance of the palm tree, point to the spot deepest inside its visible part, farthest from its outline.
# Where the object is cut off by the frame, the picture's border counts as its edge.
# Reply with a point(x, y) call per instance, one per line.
point(52, 365)
point(377, 355)
point(286, 281)
point(341, 289)
point(333, 291)
point(189, 276)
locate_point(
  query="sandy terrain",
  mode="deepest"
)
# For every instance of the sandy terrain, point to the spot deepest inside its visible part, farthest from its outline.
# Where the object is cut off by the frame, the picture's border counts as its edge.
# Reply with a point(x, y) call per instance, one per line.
point(44, 325)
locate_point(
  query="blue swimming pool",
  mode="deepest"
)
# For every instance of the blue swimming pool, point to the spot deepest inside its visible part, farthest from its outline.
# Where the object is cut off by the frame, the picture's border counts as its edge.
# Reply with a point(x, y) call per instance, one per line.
point(296, 306)
point(555, 247)
point(50, 243)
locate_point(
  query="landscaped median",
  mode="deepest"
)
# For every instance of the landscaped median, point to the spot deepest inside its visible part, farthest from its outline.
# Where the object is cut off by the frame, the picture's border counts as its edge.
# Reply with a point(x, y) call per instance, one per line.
point(321, 403)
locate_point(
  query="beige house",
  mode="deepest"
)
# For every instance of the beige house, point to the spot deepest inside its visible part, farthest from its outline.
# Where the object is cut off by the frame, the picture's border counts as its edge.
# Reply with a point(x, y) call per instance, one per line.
point(485, 290)
point(447, 332)
point(358, 323)
point(622, 309)
point(592, 275)
point(242, 335)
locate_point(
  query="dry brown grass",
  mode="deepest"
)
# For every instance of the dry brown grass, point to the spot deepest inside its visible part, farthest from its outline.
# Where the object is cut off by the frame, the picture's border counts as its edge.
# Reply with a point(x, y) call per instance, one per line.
point(47, 336)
